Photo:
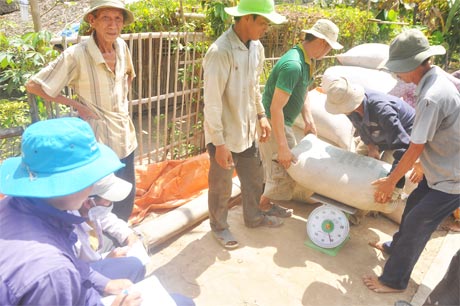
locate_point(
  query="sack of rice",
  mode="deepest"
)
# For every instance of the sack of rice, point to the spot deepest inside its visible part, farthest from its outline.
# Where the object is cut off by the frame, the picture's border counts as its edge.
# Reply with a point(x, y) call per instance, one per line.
point(338, 174)
point(369, 55)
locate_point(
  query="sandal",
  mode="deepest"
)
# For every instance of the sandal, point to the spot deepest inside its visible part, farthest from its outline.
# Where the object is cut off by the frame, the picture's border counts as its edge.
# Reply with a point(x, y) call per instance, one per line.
point(384, 247)
point(270, 221)
point(225, 238)
point(279, 211)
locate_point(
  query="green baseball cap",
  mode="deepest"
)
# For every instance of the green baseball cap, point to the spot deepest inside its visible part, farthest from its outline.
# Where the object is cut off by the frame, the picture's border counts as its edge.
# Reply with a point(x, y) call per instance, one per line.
point(265, 8)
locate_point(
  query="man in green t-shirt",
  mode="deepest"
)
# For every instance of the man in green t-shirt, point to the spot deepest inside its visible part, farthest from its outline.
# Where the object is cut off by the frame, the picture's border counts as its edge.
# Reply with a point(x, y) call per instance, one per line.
point(284, 98)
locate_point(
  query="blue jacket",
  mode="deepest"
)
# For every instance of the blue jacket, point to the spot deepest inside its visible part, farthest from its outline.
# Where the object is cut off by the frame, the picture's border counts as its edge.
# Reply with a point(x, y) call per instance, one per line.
point(37, 262)
point(387, 121)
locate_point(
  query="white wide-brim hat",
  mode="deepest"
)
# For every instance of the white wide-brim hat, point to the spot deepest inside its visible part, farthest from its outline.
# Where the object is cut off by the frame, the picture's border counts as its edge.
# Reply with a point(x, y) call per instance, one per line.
point(327, 30)
point(343, 97)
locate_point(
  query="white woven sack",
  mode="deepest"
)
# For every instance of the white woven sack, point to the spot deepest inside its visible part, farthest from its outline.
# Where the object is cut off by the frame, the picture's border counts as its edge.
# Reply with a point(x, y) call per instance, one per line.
point(335, 129)
point(370, 55)
point(369, 78)
point(338, 174)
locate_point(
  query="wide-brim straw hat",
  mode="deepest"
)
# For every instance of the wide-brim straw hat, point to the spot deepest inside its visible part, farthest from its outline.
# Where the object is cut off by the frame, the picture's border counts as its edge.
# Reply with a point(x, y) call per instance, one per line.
point(327, 30)
point(59, 157)
point(265, 8)
point(408, 51)
point(119, 4)
point(343, 97)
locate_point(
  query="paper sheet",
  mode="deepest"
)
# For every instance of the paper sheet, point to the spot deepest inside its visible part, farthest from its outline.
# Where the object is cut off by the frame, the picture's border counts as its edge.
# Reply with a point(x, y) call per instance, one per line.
point(153, 293)
point(138, 250)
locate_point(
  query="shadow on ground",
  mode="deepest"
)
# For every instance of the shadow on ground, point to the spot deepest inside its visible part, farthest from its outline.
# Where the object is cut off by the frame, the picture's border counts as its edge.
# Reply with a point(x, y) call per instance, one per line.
point(272, 266)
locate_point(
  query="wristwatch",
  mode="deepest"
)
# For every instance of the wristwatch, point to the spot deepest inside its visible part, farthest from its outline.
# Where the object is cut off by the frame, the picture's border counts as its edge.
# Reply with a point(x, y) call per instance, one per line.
point(261, 115)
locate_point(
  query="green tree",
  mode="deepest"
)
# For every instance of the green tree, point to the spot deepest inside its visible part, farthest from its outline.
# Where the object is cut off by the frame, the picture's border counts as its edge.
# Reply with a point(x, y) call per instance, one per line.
point(20, 58)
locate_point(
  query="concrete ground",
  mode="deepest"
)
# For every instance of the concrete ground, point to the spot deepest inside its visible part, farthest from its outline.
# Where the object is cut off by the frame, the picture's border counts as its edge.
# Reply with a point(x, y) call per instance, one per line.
point(272, 266)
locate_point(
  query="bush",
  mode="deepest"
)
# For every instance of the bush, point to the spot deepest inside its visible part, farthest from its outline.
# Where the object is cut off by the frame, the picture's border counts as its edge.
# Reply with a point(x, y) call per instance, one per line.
point(22, 57)
point(12, 114)
point(159, 16)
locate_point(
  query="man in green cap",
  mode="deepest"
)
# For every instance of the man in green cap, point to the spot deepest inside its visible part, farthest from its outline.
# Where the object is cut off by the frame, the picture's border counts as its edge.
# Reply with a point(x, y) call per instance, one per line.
point(233, 111)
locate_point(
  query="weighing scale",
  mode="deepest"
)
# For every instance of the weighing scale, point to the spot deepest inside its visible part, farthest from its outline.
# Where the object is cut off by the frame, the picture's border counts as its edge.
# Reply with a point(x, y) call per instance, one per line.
point(328, 226)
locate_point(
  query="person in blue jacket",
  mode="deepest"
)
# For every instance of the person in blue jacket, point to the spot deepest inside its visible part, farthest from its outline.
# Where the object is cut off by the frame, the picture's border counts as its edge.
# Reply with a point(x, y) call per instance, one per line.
point(382, 121)
point(59, 163)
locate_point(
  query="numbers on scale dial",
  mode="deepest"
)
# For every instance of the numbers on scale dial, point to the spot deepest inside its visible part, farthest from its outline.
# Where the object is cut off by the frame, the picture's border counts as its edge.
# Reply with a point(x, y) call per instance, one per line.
point(327, 226)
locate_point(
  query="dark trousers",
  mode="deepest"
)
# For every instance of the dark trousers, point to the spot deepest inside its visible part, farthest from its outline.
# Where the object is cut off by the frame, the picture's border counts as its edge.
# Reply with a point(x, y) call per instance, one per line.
point(124, 208)
point(249, 169)
point(425, 209)
point(447, 292)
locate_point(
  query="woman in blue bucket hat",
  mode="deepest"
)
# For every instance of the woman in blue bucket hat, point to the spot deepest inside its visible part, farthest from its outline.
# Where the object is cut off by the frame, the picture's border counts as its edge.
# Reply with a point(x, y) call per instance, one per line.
point(60, 161)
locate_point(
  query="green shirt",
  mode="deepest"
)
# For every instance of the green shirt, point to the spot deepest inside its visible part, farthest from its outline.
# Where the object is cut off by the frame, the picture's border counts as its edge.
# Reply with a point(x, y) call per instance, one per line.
point(292, 75)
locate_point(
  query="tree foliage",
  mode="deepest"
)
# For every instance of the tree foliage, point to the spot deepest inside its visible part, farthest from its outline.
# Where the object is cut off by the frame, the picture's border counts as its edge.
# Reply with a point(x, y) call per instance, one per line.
point(20, 58)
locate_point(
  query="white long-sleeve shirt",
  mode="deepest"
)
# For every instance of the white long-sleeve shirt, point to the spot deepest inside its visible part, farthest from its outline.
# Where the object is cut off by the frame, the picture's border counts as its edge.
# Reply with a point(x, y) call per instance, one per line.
point(232, 97)
point(111, 225)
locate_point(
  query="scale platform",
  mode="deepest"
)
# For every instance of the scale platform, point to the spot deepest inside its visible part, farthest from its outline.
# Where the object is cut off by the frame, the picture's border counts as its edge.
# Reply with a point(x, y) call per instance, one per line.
point(331, 251)
point(328, 226)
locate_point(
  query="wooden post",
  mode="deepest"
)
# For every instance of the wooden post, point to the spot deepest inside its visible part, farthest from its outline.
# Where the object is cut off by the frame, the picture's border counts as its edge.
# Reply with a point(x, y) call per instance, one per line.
point(35, 11)
point(33, 108)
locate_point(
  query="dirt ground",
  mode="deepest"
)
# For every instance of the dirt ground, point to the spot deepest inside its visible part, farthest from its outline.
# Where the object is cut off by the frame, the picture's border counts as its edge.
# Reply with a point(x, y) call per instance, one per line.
point(272, 266)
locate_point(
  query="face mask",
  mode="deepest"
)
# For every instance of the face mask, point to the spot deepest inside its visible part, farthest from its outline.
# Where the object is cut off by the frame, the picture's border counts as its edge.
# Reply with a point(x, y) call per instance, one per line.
point(99, 212)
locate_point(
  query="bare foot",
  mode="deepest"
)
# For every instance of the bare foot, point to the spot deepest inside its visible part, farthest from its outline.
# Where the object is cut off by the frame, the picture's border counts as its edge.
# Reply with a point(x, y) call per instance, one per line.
point(455, 227)
point(378, 245)
point(373, 283)
point(449, 224)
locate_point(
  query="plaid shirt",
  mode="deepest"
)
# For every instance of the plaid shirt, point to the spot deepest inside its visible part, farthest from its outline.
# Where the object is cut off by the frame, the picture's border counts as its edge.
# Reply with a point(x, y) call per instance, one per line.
point(83, 68)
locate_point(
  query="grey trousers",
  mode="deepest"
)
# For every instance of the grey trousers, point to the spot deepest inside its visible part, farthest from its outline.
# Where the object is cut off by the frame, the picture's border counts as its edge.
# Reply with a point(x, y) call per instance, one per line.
point(249, 170)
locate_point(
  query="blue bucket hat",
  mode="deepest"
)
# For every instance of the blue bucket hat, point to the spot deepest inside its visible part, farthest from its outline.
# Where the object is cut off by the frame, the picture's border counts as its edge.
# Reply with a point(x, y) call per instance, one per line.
point(59, 157)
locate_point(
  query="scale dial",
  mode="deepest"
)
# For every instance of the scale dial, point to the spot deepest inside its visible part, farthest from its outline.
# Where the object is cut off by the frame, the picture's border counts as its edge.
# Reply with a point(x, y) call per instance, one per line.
point(327, 226)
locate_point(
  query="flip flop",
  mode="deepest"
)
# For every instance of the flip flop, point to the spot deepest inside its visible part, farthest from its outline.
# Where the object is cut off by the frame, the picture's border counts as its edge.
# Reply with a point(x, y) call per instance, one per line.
point(383, 247)
point(402, 303)
point(279, 211)
point(225, 238)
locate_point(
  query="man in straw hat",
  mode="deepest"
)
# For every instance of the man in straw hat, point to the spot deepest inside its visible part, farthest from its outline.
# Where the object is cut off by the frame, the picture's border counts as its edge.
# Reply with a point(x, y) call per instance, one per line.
point(435, 140)
point(284, 98)
point(59, 164)
point(383, 122)
point(232, 110)
point(100, 71)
